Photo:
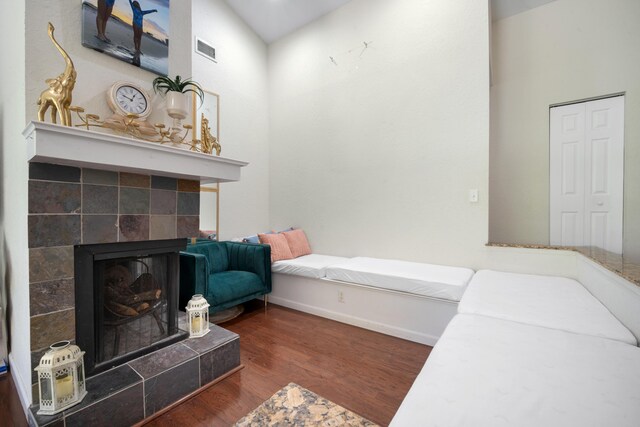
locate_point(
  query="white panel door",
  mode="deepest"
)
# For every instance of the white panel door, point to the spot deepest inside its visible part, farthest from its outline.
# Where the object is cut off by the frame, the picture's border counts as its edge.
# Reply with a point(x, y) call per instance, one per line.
point(566, 167)
point(604, 170)
point(586, 174)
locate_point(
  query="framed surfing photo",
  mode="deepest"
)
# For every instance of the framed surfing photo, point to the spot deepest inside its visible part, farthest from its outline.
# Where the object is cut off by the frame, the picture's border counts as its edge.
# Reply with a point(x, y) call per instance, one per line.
point(134, 31)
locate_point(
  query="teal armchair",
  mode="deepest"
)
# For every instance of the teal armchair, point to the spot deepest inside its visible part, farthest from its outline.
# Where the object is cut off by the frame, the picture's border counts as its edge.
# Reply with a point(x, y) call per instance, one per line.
point(225, 273)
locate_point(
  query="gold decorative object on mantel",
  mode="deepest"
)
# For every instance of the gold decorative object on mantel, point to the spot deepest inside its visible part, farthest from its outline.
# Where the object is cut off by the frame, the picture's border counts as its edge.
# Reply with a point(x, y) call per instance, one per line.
point(208, 142)
point(130, 125)
point(58, 95)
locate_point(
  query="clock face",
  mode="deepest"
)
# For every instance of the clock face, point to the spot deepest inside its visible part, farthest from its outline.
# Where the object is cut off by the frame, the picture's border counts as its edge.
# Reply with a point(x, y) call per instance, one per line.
point(128, 98)
point(131, 99)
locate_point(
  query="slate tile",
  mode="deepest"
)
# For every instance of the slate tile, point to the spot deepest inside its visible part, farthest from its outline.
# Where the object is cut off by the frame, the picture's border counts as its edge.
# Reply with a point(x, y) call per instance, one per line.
point(53, 197)
point(107, 384)
point(49, 328)
point(219, 361)
point(188, 226)
point(46, 297)
point(50, 263)
point(99, 228)
point(158, 362)
point(134, 200)
point(163, 202)
point(188, 185)
point(53, 230)
point(95, 176)
point(162, 227)
point(134, 228)
point(188, 203)
point(164, 183)
point(134, 180)
point(122, 409)
point(51, 172)
point(36, 420)
point(163, 389)
point(216, 337)
point(99, 199)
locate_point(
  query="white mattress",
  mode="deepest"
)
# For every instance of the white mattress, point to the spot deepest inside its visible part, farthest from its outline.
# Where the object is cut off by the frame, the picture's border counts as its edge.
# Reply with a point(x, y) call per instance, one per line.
point(312, 265)
point(430, 280)
point(491, 372)
point(552, 302)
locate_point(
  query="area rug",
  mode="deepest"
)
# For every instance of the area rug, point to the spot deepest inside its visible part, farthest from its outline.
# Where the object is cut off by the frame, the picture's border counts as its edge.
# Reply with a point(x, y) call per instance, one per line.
point(297, 406)
point(226, 315)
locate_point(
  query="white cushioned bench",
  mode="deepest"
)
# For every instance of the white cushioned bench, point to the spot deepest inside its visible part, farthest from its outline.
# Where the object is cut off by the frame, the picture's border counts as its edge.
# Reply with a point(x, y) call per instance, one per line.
point(435, 281)
point(313, 265)
point(551, 302)
point(491, 372)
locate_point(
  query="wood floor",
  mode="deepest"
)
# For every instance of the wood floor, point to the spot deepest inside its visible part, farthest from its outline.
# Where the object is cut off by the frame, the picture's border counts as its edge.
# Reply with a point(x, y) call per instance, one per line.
point(11, 414)
point(366, 372)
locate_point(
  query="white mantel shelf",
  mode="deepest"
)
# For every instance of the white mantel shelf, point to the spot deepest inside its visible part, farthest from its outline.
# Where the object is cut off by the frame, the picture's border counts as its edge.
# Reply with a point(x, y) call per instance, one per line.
point(50, 143)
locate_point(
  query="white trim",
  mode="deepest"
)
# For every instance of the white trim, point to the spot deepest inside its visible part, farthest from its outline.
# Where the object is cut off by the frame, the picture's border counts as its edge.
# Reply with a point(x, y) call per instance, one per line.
point(50, 143)
point(400, 314)
point(22, 390)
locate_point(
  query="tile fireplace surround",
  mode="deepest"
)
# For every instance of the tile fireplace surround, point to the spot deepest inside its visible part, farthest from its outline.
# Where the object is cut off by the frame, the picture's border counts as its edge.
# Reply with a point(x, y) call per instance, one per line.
point(100, 195)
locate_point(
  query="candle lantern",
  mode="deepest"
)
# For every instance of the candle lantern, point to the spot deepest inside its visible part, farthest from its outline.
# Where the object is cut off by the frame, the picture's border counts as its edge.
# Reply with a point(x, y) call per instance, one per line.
point(198, 316)
point(61, 378)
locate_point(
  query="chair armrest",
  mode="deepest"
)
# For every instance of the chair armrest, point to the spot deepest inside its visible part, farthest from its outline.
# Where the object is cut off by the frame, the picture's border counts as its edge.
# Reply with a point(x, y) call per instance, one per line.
point(194, 277)
point(251, 257)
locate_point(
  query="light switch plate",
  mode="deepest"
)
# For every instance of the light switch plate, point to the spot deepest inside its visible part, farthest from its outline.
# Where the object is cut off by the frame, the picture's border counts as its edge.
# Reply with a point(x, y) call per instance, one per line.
point(473, 196)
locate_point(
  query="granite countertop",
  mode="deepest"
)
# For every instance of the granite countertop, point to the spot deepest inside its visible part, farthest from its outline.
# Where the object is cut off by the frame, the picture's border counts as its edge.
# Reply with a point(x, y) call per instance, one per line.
point(609, 260)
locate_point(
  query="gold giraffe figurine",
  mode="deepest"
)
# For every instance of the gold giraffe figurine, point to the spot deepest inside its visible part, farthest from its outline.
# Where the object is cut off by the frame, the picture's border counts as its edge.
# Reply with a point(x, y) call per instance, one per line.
point(58, 95)
point(208, 142)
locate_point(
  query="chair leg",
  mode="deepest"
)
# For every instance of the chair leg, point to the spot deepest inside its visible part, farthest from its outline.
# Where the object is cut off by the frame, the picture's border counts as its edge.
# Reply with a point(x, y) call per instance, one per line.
point(266, 300)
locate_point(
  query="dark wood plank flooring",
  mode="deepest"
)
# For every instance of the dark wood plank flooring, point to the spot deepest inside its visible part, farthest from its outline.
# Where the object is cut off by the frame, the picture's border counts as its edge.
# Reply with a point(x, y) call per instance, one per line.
point(10, 409)
point(366, 372)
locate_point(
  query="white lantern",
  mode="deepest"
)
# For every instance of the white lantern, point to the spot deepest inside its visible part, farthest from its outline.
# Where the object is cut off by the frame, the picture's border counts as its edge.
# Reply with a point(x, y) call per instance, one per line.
point(198, 316)
point(61, 378)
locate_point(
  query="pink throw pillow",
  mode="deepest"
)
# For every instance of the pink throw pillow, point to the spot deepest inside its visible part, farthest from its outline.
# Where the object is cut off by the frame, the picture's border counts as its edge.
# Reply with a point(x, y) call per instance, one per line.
point(298, 243)
point(279, 246)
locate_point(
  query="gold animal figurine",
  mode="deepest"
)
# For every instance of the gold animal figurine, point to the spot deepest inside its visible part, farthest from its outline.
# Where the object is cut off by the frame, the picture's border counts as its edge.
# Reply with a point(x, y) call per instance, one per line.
point(207, 141)
point(58, 95)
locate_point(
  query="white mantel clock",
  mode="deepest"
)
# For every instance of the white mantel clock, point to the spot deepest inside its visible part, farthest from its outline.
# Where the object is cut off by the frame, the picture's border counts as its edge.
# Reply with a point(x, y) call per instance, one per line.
point(128, 98)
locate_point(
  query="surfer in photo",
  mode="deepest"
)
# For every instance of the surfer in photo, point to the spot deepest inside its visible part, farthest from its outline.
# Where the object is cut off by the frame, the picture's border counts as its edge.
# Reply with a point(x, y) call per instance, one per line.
point(138, 15)
point(105, 7)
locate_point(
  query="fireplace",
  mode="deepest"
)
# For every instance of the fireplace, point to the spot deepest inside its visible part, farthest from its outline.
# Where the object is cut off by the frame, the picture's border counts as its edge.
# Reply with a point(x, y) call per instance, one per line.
point(126, 299)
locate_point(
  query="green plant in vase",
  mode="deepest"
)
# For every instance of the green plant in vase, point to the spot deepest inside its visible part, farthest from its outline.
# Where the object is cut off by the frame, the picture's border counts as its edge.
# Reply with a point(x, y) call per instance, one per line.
point(175, 91)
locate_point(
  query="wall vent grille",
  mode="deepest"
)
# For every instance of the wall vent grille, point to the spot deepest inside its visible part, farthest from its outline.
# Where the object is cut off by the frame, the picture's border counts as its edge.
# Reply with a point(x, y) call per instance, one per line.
point(205, 49)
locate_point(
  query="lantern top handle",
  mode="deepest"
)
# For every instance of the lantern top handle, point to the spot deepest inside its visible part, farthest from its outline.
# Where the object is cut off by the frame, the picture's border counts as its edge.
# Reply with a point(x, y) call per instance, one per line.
point(59, 345)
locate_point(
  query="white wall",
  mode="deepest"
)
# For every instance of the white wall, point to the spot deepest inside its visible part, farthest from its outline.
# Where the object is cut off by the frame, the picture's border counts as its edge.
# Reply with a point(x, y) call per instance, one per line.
point(565, 50)
point(375, 156)
point(240, 78)
point(96, 71)
point(13, 214)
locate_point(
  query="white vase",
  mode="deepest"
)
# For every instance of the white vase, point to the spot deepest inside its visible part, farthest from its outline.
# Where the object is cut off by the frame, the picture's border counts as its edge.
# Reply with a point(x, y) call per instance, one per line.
point(176, 105)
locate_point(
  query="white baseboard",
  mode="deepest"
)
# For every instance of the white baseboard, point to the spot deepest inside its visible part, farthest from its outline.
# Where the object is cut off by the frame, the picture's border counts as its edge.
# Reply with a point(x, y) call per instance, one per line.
point(23, 391)
point(401, 315)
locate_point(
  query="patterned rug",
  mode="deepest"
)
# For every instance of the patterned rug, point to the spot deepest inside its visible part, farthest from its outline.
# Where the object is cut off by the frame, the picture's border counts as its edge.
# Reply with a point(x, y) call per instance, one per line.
point(297, 406)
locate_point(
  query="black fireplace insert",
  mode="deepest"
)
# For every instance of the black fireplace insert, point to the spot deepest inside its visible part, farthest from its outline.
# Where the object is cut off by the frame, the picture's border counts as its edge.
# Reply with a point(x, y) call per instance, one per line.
point(126, 300)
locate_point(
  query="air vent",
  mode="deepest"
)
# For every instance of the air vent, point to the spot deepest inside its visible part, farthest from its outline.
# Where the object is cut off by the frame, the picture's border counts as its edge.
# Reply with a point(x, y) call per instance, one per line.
point(205, 49)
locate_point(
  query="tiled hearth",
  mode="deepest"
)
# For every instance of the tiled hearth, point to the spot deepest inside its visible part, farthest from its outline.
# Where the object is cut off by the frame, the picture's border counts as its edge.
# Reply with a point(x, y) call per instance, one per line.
point(71, 205)
point(136, 390)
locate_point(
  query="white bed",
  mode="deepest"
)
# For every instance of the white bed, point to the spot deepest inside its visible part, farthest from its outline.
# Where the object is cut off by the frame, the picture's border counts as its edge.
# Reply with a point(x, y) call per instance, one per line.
point(313, 265)
point(491, 372)
point(436, 281)
point(548, 301)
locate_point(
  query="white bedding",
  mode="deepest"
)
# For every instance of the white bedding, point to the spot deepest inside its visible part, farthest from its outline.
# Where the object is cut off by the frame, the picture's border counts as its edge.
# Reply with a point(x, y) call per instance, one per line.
point(490, 372)
point(312, 265)
point(552, 302)
point(430, 280)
